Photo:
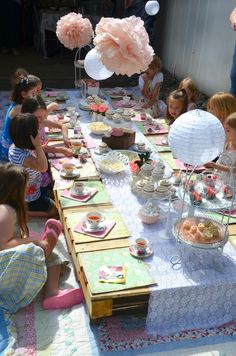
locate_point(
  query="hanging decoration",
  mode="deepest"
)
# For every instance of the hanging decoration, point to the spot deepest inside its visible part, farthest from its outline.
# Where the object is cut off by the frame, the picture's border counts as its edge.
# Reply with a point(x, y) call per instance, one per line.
point(152, 7)
point(74, 31)
point(196, 137)
point(123, 45)
point(94, 67)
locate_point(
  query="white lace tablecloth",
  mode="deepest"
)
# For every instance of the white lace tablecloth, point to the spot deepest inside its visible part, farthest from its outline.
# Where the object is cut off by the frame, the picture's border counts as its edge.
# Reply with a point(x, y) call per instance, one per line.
point(196, 288)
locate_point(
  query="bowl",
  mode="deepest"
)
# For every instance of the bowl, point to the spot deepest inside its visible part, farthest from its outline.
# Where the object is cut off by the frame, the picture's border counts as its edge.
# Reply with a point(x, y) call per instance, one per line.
point(148, 219)
point(116, 131)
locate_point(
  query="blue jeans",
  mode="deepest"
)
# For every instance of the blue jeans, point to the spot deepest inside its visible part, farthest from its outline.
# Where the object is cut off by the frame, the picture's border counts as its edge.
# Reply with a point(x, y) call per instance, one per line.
point(233, 74)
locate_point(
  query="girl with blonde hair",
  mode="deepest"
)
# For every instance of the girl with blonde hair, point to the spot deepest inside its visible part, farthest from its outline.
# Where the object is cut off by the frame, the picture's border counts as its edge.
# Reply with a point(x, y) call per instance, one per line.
point(221, 105)
point(188, 85)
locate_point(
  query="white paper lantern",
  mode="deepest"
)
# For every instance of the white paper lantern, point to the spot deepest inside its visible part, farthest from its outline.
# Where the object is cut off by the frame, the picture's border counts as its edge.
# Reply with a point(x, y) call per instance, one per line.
point(196, 137)
point(152, 7)
point(94, 67)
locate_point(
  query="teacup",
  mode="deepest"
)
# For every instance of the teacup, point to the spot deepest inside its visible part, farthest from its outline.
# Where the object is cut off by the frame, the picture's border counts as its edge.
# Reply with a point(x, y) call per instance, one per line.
point(102, 147)
point(78, 187)
point(126, 99)
point(119, 111)
point(141, 244)
point(141, 146)
point(76, 146)
point(68, 168)
point(94, 219)
point(71, 109)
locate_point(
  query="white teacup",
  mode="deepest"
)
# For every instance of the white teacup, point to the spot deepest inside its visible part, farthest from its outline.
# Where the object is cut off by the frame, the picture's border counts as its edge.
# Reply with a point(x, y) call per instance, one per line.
point(141, 244)
point(94, 219)
point(68, 168)
point(78, 187)
point(126, 99)
point(102, 147)
point(141, 146)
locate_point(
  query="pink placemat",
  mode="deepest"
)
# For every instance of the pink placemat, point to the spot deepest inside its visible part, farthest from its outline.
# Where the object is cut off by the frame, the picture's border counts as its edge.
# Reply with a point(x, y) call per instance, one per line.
point(109, 225)
point(120, 104)
point(58, 162)
point(159, 141)
point(226, 212)
point(137, 117)
point(89, 143)
point(154, 129)
point(181, 165)
point(83, 198)
point(51, 94)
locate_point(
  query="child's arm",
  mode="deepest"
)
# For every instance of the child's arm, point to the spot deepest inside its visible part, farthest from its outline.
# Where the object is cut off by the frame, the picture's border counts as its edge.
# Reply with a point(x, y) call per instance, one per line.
point(52, 107)
point(38, 163)
point(53, 149)
point(58, 125)
point(143, 84)
point(154, 96)
point(14, 111)
point(7, 228)
point(219, 167)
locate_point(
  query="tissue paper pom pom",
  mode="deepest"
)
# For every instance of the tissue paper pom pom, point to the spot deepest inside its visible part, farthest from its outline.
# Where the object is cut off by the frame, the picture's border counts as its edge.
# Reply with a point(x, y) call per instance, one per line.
point(123, 45)
point(74, 31)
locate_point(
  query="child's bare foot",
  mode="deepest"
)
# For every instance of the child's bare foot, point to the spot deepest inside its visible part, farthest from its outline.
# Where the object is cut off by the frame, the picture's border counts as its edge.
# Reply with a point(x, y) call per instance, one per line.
point(52, 230)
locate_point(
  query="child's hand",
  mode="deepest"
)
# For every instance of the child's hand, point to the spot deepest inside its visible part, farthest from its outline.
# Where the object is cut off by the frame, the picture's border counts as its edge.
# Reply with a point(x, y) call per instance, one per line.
point(145, 77)
point(36, 141)
point(67, 152)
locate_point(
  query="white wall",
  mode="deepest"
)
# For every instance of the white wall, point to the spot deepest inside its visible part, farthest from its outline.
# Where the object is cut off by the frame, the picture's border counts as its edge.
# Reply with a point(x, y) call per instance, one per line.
point(199, 42)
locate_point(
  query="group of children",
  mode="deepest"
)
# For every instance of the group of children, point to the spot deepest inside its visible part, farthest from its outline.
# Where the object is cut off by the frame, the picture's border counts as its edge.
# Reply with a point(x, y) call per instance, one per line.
point(24, 187)
point(183, 99)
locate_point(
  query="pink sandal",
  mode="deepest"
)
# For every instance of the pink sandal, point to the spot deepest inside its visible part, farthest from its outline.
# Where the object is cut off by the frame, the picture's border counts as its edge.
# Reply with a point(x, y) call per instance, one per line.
point(66, 298)
point(50, 226)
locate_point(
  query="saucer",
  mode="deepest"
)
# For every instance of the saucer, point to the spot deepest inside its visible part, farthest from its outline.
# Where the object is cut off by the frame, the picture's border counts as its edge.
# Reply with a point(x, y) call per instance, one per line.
point(133, 250)
point(85, 192)
point(88, 228)
point(135, 148)
point(101, 153)
point(72, 175)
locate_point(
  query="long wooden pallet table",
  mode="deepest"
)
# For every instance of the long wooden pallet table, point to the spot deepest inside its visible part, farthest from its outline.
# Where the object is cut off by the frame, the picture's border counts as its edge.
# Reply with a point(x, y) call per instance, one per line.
point(102, 304)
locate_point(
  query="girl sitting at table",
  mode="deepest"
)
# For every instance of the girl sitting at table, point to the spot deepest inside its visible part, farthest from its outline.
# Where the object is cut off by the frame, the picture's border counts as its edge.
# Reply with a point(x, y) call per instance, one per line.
point(50, 107)
point(24, 87)
point(28, 263)
point(37, 107)
point(188, 85)
point(177, 103)
point(26, 151)
point(230, 149)
point(150, 84)
point(221, 105)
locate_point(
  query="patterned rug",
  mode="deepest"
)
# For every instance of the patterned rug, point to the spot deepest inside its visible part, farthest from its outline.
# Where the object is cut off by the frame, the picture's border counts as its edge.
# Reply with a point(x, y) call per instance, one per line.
point(128, 333)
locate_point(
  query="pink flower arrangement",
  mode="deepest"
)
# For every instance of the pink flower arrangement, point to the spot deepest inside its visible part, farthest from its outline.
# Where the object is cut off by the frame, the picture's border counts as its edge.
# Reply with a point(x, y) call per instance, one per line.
point(74, 31)
point(123, 45)
point(99, 109)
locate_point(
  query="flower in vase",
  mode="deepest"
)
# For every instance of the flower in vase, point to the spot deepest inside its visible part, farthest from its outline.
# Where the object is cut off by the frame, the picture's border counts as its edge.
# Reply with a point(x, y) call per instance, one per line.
point(102, 109)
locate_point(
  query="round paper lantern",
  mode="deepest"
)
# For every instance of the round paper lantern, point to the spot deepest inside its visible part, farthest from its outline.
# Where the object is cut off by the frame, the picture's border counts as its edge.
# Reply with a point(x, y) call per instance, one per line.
point(152, 7)
point(196, 137)
point(94, 67)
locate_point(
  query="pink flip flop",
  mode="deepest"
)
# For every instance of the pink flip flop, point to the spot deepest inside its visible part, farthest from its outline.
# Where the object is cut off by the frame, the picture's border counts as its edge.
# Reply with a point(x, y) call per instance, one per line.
point(66, 298)
point(50, 226)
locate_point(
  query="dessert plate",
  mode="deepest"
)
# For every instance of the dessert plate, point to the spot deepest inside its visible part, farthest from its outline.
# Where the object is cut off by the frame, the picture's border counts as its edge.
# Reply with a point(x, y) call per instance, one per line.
point(133, 250)
point(88, 228)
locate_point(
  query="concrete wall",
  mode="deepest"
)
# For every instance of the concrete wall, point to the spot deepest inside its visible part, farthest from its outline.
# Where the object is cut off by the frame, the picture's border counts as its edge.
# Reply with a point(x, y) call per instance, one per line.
point(196, 40)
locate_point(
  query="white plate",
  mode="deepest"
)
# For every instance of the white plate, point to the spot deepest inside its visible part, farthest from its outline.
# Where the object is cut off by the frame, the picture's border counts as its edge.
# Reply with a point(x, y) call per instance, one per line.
point(135, 148)
point(113, 162)
point(85, 192)
point(133, 250)
point(74, 174)
point(103, 153)
point(99, 228)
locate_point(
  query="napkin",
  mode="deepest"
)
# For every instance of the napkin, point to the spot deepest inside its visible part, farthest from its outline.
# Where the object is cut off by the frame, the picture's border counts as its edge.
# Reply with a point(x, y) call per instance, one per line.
point(83, 198)
point(109, 225)
point(181, 165)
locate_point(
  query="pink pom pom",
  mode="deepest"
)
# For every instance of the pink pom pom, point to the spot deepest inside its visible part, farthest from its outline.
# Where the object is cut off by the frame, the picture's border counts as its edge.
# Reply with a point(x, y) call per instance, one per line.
point(123, 45)
point(74, 31)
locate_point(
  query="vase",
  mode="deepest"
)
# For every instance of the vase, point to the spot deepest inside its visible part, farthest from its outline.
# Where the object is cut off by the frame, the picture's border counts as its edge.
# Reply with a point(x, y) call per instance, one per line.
point(100, 117)
point(94, 116)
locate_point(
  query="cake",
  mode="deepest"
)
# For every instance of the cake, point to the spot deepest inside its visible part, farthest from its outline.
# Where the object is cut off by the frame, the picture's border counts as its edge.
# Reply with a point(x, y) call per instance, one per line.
point(195, 198)
point(210, 193)
point(205, 231)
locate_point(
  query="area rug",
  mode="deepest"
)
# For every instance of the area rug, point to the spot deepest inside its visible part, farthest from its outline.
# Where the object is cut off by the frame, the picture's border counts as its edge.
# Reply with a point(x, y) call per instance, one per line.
point(128, 333)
